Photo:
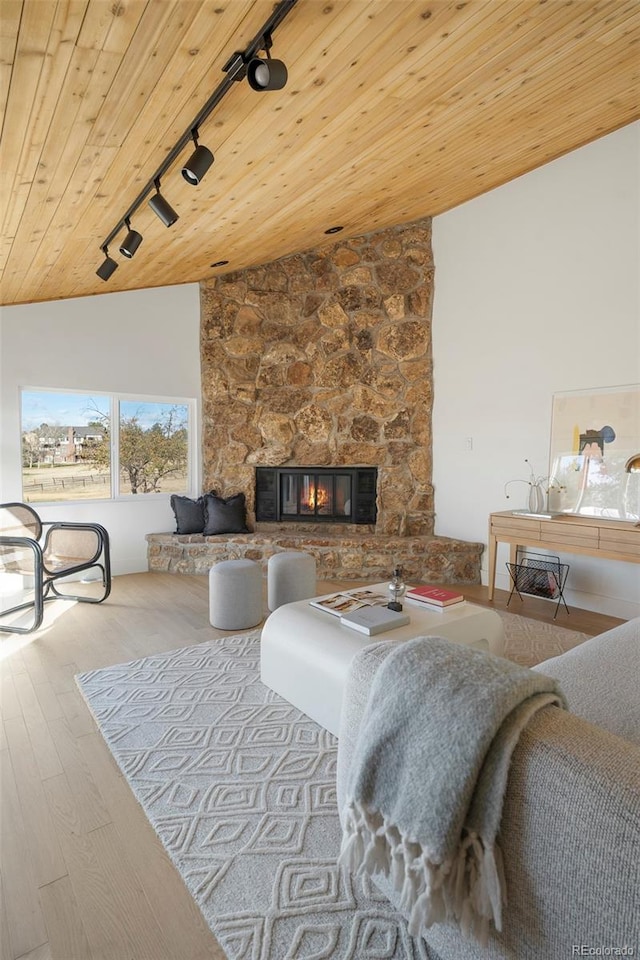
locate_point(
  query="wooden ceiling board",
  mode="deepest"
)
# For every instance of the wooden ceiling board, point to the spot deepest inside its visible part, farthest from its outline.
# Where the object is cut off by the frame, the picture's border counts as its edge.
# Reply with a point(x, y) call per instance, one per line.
point(57, 161)
point(9, 26)
point(153, 46)
point(367, 100)
point(501, 69)
point(110, 26)
point(383, 146)
point(188, 78)
point(21, 100)
point(394, 110)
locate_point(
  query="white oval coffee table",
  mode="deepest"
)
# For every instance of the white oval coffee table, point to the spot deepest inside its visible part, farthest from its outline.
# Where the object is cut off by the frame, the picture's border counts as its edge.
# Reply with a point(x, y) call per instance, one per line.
point(305, 653)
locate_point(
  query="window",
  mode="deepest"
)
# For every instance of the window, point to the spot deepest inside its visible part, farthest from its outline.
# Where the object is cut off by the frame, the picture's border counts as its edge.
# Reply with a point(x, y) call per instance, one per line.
point(153, 447)
point(80, 446)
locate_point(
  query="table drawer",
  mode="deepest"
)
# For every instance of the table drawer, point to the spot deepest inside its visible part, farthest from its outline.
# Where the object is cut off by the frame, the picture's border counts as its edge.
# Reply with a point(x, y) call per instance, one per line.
point(628, 544)
point(512, 527)
point(573, 534)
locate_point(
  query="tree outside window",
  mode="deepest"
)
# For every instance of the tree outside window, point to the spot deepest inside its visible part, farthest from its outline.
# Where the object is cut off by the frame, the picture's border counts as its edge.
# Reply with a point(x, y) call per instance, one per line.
point(153, 447)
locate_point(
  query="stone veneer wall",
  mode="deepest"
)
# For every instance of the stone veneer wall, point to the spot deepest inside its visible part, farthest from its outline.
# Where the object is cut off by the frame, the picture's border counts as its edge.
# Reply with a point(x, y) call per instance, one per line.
point(360, 556)
point(325, 358)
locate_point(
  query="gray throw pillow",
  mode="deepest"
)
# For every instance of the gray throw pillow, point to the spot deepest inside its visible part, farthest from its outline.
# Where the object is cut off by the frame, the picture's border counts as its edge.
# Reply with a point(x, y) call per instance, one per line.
point(189, 514)
point(224, 515)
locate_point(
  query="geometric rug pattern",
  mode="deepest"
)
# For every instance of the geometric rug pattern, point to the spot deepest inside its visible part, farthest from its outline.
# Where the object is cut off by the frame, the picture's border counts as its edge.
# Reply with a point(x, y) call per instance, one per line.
point(240, 788)
point(528, 642)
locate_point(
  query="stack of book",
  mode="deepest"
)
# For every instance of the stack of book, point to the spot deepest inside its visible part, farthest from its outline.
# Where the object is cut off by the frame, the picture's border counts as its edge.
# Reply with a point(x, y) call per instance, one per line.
point(371, 620)
point(363, 610)
point(437, 598)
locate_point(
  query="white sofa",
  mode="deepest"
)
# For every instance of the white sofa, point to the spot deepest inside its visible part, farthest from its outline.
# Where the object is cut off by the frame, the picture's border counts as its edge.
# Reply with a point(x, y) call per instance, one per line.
point(570, 829)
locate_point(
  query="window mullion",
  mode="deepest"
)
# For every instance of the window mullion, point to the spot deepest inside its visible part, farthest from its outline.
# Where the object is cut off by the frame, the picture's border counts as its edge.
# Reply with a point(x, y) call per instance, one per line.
point(115, 445)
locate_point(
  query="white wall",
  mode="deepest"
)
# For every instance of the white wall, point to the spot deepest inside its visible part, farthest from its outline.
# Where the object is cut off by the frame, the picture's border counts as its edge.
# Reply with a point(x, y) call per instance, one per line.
point(143, 342)
point(537, 291)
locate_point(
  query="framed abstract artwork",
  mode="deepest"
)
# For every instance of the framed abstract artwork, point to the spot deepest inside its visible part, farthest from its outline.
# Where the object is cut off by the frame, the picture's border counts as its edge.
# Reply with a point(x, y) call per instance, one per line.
point(594, 463)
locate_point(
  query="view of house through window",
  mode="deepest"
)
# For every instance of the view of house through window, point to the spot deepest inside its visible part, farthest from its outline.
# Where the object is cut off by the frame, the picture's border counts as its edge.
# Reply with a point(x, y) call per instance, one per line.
point(78, 446)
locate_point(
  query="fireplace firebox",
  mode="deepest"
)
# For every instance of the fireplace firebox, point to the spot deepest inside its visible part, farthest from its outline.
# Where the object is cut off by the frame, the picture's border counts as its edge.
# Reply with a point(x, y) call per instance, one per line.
point(320, 494)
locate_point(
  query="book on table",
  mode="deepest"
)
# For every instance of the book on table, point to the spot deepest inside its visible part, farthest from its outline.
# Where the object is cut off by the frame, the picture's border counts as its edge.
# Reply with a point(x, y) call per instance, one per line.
point(347, 601)
point(434, 596)
point(371, 619)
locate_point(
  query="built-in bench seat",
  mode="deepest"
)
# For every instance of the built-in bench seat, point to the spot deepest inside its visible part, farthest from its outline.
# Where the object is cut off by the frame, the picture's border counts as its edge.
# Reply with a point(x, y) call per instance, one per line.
point(352, 556)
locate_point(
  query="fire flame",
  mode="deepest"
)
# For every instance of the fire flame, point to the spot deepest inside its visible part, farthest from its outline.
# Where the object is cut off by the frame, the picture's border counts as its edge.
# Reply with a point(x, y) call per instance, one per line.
point(319, 497)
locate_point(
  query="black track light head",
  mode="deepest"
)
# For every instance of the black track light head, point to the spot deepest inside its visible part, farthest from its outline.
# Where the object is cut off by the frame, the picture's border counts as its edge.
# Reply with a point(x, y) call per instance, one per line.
point(162, 208)
point(131, 242)
point(108, 267)
point(266, 74)
point(197, 164)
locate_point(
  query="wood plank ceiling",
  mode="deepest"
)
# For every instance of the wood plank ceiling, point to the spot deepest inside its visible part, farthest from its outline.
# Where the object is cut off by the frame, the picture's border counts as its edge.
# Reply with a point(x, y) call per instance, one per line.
point(394, 110)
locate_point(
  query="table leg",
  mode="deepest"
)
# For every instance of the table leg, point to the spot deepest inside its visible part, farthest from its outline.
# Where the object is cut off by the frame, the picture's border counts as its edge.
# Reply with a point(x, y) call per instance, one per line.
point(493, 551)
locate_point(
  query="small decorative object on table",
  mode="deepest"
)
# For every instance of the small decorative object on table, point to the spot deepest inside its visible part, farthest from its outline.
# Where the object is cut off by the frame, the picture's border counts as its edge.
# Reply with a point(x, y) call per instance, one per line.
point(539, 489)
point(396, 589)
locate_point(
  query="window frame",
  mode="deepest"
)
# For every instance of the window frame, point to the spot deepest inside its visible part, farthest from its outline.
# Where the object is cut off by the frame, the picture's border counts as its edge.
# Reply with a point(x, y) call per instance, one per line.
point(115, 400)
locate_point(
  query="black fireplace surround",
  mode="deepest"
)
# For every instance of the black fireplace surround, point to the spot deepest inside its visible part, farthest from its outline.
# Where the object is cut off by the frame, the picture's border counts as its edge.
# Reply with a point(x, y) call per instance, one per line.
point(316, 494)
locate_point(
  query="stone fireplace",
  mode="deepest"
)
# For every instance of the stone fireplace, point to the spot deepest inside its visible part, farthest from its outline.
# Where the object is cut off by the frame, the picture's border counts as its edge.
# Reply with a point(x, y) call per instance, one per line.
point(324, 358)
point(319, 494)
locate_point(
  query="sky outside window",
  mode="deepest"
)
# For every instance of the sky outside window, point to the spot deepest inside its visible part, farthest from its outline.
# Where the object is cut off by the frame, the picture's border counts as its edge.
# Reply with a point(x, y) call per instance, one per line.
point(148, 414)
point(61, 409)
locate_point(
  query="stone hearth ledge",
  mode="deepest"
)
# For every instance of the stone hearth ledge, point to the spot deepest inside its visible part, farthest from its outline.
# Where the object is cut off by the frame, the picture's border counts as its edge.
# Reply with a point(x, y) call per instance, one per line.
point(366, 556)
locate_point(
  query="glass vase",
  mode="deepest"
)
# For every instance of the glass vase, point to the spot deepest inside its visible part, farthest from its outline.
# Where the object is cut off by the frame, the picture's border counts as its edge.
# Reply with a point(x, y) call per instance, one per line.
point(536, 498)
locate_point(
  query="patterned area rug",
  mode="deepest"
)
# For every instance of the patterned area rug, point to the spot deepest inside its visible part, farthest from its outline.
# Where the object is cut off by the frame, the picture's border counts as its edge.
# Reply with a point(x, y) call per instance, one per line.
point(240, 788)
point(531, 641)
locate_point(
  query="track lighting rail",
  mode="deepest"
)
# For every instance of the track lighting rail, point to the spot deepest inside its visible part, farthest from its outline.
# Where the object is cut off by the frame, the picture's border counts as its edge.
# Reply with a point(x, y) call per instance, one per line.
point(235, 70)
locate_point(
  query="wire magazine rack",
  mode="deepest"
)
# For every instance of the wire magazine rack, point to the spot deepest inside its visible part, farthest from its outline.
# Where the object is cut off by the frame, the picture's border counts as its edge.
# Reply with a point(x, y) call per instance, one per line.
point(539, 575)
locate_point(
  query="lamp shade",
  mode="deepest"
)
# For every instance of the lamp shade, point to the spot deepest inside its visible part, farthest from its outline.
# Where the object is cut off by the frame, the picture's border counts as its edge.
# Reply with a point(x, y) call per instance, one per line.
point(107, 268)
point(130, 244)
point(266, 74)
point(163, 209)
point(197, 165)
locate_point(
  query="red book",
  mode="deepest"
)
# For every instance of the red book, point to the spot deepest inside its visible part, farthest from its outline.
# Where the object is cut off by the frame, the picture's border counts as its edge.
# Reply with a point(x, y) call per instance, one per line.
point(436, 596)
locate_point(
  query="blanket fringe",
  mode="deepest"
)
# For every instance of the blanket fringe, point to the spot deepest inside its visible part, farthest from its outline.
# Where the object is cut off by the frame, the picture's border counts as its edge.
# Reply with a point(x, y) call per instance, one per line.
point(466, 888)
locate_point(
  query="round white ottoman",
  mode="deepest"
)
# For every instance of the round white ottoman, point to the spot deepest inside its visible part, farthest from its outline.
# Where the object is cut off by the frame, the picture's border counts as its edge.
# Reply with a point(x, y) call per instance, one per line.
point(291, 576)
point(235, 594)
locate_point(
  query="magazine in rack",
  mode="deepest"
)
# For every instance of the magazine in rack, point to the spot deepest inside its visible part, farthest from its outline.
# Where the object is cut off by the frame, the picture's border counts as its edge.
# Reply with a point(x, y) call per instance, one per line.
point(347, 601)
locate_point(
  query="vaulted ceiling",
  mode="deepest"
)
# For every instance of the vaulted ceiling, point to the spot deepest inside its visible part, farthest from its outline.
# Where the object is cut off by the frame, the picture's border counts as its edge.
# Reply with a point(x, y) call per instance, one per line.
point(394, 110)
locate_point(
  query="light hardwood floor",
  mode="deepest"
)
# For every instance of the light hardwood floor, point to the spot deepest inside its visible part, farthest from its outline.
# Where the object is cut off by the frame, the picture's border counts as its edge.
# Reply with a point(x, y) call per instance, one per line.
point(83, 873)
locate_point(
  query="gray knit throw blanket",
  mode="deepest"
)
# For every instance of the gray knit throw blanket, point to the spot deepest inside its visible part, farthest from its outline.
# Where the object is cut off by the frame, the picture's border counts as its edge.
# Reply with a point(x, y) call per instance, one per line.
point(426, 785)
